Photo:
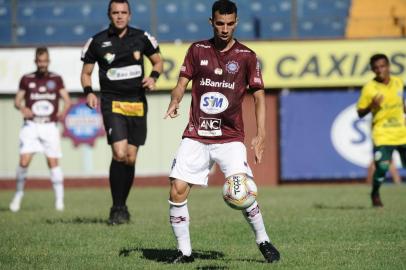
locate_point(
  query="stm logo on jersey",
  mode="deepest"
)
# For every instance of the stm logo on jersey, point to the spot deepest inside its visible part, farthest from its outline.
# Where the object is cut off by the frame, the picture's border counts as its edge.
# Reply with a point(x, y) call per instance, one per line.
point(204, 62)
point(213, 103)
point(209, 127)
point(223, 84)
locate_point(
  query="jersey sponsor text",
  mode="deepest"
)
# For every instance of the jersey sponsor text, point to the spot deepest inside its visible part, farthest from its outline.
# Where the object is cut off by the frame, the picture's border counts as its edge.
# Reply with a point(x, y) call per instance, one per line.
point(223, 84)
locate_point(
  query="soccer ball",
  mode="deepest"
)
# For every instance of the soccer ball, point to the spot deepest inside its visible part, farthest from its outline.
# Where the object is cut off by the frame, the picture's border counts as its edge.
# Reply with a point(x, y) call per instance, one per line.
point(239, 191)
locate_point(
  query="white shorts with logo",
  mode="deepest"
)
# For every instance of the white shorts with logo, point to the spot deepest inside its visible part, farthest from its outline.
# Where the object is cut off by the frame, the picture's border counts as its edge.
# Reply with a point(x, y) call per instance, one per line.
point(194, 160)
point(40, 138)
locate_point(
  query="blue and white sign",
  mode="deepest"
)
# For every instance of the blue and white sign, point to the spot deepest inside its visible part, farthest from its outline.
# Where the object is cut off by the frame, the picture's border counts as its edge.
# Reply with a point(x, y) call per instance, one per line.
point(322, 136)
point(82, 124)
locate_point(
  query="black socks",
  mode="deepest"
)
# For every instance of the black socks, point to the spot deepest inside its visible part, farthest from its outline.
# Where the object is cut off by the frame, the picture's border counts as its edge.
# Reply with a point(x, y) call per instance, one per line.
point(121, 180)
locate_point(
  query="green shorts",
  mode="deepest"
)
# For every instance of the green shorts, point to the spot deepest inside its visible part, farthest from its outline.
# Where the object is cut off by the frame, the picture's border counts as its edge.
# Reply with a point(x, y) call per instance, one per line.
point(384, 153)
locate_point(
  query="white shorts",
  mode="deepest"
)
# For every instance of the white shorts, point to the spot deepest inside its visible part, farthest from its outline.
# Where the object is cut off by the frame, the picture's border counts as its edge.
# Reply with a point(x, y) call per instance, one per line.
point(40, 138)
point(194, 160)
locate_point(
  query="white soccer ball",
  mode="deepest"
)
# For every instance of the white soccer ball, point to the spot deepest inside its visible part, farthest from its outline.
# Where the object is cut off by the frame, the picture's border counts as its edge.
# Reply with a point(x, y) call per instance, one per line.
point(239, 191)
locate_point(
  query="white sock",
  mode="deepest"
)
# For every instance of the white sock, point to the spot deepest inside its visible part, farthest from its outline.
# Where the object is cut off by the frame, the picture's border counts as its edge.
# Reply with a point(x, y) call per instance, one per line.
point(254, 217)
point(57, 183)
point(179, 219)
point(21, 174)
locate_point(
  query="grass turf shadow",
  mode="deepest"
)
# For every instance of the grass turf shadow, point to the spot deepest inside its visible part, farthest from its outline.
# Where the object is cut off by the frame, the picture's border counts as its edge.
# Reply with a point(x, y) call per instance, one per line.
point(163, 255)
point(76, 220)
point(338, 207)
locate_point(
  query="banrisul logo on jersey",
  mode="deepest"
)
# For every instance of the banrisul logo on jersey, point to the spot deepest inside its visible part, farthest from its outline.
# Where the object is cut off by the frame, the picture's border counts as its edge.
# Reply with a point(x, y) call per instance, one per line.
point(222, 84)
point(213, 103)
point(82, 124)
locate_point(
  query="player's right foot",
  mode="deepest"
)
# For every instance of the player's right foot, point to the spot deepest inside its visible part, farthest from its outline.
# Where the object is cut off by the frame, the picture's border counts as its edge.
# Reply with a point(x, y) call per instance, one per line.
point(180, 258)
point(15, 204)
point(271, 254)
point(118, 215)
point(376, 200)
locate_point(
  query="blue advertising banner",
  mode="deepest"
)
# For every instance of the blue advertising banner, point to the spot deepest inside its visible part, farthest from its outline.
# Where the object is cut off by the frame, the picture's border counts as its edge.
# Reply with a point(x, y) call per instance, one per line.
point(322, 136)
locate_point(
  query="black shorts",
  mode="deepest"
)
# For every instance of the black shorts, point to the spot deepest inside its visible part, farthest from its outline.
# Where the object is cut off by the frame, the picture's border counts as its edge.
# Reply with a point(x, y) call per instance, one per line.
point(125, 118)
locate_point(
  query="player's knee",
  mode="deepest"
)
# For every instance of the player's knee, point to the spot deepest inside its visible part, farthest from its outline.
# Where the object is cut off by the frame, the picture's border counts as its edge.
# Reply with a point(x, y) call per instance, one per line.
point(24, 162)
point(120, 155)
point(382, 167)
point(178, 193)
point(130, 161)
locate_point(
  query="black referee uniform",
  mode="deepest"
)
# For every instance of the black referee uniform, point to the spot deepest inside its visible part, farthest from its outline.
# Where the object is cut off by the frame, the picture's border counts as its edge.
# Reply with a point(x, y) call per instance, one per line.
point(121, 70)
point(123, 102)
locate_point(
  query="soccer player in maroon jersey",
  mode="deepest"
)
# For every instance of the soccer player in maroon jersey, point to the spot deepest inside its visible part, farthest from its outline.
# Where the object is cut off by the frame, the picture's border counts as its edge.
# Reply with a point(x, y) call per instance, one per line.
point(222, 70)
point(38, 101)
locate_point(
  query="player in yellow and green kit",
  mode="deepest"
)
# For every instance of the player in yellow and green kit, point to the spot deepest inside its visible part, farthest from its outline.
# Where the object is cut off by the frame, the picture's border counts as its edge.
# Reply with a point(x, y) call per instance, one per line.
point(383, 97)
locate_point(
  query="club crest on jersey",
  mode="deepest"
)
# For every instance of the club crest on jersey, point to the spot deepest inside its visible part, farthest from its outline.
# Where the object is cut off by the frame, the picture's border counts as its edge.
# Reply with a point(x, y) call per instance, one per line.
point(137, 55)
point(213, 103)
point(232, 67)
point(51, 85)
point(109, 57)
point(218, 71)
point(204, 62)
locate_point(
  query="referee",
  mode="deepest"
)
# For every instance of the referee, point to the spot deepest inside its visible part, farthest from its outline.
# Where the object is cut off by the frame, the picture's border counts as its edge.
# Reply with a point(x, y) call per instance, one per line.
point(119, 52)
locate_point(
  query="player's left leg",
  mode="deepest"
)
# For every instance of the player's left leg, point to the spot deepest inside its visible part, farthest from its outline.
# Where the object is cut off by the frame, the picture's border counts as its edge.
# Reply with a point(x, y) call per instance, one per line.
point(51, 142)
point(254, 217)
point(382, 158)
point(232, 159)
point(57, 182)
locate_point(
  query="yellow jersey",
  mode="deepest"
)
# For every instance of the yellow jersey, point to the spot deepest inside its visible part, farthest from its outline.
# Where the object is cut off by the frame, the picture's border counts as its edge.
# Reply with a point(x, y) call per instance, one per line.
point(388, 121)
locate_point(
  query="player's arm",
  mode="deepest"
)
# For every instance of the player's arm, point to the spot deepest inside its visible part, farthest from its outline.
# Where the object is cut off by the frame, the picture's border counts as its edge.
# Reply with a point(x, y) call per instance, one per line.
point(67, 103)
point(19, 104)
point(157, 68)
point(86, 80)
point(176, 97)
point(258, 142)
point(375, 104)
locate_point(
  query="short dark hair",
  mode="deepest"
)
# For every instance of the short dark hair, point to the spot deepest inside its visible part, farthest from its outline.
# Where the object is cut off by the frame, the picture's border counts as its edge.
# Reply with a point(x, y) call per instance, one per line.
point(224, 7)
point(377, 57)
point(118, 1)
point(40, 51)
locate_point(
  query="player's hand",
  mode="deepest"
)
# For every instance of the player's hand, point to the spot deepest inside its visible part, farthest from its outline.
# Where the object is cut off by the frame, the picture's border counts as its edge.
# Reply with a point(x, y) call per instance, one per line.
point(148, 83)
point(376, 101)
point(258, 144)
point(172, 111)
point(26, 112)
point(91, 101)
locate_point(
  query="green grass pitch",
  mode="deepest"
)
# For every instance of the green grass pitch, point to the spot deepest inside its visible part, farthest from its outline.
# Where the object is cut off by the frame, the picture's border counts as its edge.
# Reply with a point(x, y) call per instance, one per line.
point(314, 227)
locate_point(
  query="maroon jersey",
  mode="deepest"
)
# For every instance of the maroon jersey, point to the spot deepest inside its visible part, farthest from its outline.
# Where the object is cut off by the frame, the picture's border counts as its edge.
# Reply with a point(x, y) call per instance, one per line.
point(220, 81)
point(42, 95)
